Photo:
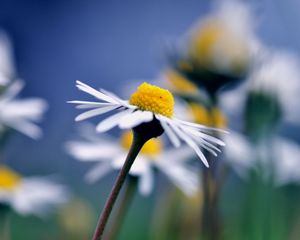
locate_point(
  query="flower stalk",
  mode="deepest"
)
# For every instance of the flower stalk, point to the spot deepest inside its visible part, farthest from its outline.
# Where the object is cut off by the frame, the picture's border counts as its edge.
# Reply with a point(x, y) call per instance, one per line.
point(136, 146)
point(141, 134)
point(125, 202)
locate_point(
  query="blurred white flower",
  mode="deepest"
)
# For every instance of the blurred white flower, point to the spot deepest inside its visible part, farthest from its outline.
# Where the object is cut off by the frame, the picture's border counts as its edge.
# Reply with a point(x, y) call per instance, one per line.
point(279, 75)
point(7, 70)
point(148, 103)
point(276, 73)
point(281, 163)
point(110, 155)
point(30, 195)
point(225, 39)
point(20, 114)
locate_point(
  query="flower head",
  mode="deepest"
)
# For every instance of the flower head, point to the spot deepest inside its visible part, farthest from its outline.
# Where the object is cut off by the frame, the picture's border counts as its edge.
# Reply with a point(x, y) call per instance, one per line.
point(278, 77)
point(110, 155)
point(30, 195)
point(160, 110)
point(219, 50)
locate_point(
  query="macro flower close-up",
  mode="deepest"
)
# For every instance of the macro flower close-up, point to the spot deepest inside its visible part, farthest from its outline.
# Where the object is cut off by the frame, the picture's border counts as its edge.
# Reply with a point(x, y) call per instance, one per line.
point(149, 120)
point(149, 103)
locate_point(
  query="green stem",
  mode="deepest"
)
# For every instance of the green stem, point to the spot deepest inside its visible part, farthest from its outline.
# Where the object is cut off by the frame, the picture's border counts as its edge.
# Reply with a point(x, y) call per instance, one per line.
point(137, 144)
point(123, 208)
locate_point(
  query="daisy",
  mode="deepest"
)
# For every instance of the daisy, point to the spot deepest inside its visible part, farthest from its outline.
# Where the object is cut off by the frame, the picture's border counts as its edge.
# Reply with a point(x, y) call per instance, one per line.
point(19, 114)
point(219, 50)
point(110, 155)
point(280, 163)
point(223, 39)
point(275, 76)
point(278, 75)
point(148, 104)
point(29, 195)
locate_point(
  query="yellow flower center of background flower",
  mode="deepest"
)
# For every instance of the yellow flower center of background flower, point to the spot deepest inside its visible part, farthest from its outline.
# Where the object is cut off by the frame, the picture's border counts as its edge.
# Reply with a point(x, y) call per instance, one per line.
point(8, 178)
point(152, 147)
point(180, 84)
point(216, 45)
point(213, 118)
point(203, 42)
point(154, 99)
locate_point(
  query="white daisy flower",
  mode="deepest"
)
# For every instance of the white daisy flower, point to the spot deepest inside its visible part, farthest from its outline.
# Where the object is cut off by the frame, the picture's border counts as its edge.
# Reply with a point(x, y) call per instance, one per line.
point(20, 114)
point(276, 74)
point(279, 75)
point(281, 163)
point(7, 70)
point(148, 103)
point(110, 155)
point(225, 39)
point(30, 195)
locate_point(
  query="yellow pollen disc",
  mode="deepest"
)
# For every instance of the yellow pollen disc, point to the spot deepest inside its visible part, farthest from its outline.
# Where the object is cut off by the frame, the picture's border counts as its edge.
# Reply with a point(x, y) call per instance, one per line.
point(8, 178)
point(152, 147)
point(180, 84)
point(213, 118)
point(154, 99)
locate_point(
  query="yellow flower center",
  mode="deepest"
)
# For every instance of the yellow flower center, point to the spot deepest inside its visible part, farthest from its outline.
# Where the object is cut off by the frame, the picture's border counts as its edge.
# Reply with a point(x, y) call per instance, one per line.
point(216, 45)
point(8, 178)
point(204, 40)
point(152, 147)
point(213, 118)
point(180, 84)
point(154, 99)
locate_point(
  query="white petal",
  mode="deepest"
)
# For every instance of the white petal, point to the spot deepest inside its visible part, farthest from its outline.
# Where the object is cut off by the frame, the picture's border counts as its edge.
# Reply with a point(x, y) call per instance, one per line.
point(199, 126)
point(12, 91)
point(88, 104)
point(27, 128)
point(204, 136)
point(146, 182)
point(112, 121)
point(112, 95)
point(206, 145)
point(91, 151)
point(95, 112)
point(186, 179)
point(172, 136)
point(85, 88)
point(181, 154)
point(98, 172)
point(191, 143)
point(135, 119)
point(6, 58)
point(141, 165)
point(25, 109)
